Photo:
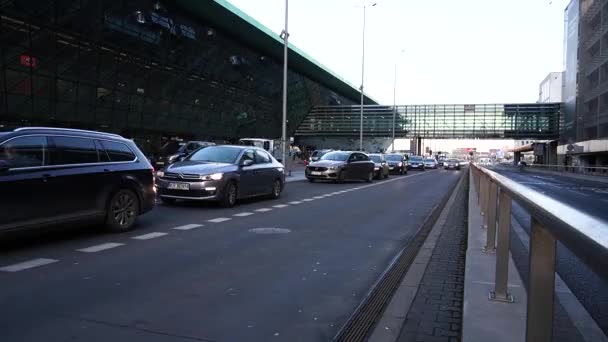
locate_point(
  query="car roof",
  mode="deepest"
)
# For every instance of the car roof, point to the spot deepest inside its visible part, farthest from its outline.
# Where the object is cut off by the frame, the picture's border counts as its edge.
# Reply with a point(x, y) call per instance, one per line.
point(71, 131)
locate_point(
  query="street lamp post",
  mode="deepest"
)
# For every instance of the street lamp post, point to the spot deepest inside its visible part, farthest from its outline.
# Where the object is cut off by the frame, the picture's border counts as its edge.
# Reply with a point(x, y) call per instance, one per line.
point(362, 81)
point(395, 103)
point(285, 36)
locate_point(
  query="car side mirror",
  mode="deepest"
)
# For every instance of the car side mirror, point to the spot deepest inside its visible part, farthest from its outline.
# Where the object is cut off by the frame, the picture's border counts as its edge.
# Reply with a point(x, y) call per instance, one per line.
point(246, 162)
point(4, 166)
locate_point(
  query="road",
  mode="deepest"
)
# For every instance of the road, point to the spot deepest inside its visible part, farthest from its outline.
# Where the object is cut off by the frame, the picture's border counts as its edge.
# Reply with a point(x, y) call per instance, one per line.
point(292, 269)
point(589, 197)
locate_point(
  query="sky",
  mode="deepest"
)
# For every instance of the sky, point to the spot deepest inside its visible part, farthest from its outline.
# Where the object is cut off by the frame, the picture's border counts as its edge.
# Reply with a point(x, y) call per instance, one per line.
point(466, 51)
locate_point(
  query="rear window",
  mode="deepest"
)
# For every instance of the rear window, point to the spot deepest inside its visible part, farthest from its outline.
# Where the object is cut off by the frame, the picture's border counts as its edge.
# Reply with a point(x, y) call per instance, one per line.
point(117, 151)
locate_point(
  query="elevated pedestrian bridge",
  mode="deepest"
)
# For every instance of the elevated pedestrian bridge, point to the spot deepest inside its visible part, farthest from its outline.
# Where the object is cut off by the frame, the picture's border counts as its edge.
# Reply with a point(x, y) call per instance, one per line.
point(441, 121)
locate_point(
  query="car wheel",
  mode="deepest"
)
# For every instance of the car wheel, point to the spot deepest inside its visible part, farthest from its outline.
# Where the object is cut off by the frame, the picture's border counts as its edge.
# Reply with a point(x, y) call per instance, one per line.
point(168, 201)
point(229, 197)
point(341, 177)
point(122, 211)
point(276, 189)
point(370, 177)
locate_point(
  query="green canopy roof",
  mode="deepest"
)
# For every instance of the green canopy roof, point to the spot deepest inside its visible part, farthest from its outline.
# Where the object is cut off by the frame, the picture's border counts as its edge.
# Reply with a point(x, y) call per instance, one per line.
point(232, 21)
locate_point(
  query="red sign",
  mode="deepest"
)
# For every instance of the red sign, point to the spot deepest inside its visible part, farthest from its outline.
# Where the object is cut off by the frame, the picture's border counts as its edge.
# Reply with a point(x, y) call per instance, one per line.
point(28, 61)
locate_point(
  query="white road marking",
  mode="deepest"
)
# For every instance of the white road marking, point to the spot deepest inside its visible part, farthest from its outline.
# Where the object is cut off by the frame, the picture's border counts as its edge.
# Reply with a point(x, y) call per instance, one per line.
point(102, 247)
point(263, 210)
point(318, 197)
point(149, 236)
point(243, 214)
point(219, 219)
point(188, 227)
point(295, 202)
point(280, 206)
point(308, 199)
point(27, 264)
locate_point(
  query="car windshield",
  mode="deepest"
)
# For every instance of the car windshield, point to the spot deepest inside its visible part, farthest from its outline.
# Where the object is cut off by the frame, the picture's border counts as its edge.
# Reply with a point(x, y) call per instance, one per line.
point(217, 154)
point(393, 157)
point(337, 156)
point(375, 158)
point(428, 160)
point(416, 159)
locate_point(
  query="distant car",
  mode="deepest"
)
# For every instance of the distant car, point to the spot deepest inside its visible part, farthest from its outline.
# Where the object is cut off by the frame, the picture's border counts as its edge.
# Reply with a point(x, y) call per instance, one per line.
point(397, 163)
point(463, 163)
point(223, 174)
point(451, 164)
point(317, 154)
point(50, 176)
point(341, 166)
point(416, 163)
point(381, 168)
point(430, 163)
point(181, 152)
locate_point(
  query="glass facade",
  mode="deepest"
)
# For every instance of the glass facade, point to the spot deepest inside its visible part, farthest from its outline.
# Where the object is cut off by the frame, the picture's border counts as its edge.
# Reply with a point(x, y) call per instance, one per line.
point(489, 121)
point(143, 69)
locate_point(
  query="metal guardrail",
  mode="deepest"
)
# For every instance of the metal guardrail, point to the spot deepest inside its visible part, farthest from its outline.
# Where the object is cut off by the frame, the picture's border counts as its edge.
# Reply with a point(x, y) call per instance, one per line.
point(551, 221)
point(584, 170)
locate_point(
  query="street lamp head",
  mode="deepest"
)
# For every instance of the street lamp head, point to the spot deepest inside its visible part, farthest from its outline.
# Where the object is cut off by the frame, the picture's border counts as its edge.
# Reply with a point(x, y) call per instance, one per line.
point(374, 4)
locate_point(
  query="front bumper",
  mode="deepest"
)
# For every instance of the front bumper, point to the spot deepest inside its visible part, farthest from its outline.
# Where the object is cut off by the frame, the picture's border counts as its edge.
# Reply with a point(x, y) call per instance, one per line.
point(198, 191)
point(416, 166)
point(327, 174)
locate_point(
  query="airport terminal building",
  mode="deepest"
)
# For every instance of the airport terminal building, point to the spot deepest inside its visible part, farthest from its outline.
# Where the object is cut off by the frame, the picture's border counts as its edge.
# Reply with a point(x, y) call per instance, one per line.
point(154, 70)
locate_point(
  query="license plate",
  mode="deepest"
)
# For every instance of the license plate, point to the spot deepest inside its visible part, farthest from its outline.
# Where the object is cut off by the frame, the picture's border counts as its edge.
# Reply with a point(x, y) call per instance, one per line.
point(179, 186)
point(391, 168)
point(316, 173)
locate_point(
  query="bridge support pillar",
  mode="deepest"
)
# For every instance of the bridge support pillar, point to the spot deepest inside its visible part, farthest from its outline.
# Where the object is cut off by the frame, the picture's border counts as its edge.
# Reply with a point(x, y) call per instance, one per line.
point(516, 158)
point(551, 153)
point(418, 146)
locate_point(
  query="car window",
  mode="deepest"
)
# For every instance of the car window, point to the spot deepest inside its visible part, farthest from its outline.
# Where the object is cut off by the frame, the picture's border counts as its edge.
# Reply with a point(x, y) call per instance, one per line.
point(248, 155)
point(362, 157)
point(375, 158)
point(25, 152)
point(337, 156)
point(262, 157)
point(192, 146)
point(73, 150)
point(394, 157)
point(218, 154)
point(118, 152)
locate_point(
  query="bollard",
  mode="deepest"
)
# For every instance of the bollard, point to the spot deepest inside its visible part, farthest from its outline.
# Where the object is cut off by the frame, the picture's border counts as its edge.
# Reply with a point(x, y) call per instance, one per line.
point(490, 218)
point(501, 279)
point(541, 290)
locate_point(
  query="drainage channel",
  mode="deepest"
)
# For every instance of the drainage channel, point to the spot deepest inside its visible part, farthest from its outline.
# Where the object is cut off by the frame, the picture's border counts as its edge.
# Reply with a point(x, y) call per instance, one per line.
point(361, 322)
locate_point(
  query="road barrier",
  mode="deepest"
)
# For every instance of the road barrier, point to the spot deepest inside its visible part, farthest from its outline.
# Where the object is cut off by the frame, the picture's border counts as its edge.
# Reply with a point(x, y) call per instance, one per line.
point(582, 170)
point(551, 221)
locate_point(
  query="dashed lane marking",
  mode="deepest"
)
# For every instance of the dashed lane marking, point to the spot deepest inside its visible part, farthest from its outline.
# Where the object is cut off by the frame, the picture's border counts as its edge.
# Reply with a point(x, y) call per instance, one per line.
point(188, 226)
point(295, 202)
point(149, 236)
point(102, 247)
point(308, 200)
point(263, 210)
point(219, 219)
point(280, 206)
point(243, 214)
point(27, 265)
point(318, 197)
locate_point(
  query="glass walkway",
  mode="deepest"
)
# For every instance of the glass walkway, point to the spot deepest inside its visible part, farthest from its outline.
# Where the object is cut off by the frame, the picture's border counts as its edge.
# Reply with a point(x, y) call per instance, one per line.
point(483, 121)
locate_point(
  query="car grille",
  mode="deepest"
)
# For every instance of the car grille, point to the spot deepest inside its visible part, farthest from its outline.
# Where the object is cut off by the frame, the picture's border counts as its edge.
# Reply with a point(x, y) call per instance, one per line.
point(185, 193)
point(181, 176)
point(317, 168)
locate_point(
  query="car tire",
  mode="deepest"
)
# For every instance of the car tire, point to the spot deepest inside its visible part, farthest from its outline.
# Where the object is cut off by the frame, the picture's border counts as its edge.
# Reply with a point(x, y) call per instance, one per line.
point(277, 187)
point(167, 201)
point(122, 210)
point(229, 196)
point(341, 178)
point(370, 177)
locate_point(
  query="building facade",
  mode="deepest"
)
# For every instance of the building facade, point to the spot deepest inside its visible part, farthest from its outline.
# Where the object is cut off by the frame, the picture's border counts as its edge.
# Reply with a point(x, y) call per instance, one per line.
point(153, 70)
point(551, 88)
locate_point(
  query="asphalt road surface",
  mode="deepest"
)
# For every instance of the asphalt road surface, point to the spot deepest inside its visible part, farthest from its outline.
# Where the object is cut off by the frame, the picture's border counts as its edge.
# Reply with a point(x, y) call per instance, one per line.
point(587, 196)
point(292, 269)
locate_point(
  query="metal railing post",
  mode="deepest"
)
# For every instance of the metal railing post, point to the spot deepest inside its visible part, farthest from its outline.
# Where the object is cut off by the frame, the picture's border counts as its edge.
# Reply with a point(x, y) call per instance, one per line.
point(477, 183)
point(483, 193)
point(491, 218)
point(541, 289)
point(501, 290)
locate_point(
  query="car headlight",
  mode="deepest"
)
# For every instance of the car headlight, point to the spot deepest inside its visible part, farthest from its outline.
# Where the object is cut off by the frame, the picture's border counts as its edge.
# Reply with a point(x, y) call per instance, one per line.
point(215, 176)
point(160, 173)
point(332, 168)
point(376, 168)
point(400, 164)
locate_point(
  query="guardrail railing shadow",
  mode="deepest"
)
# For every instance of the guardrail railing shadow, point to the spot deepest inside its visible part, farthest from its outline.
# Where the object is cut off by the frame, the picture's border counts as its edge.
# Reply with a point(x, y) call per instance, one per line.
point(551, 221)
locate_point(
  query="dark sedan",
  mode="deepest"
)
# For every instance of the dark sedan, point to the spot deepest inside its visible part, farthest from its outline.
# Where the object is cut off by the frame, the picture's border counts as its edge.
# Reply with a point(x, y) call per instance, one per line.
point(341, 166)
point(451, 164)
point(381, 169)
point(222, 173)
point(396, 163)
point(416, 163)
